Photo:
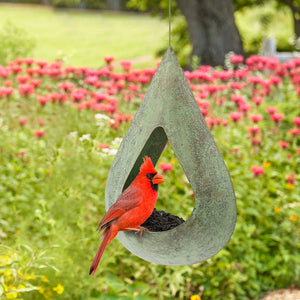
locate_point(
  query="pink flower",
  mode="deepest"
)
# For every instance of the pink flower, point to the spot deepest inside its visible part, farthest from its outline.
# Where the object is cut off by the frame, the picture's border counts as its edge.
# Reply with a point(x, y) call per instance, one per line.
point(41, 63)
point(78, 94)
point(294, 131)
point(22, 121)
point(283, 144)
point(237, 98)
point(257, 100)
point(112, 101)
point(109, 59)
point(165, 167)
point(36, 82)
point(235, 85)
point(103, 146)
point(126, 65)
point(254, 130)
point(236, 59)
point(8, 83)
point(92, 80)
point(26, 89)
point(66, 86)
point(210, 122)
point(296, 121)
point(255, 79)
point(235, 116)
point(257, 170)
point(204, 112)
point(277, 117)
point(256, 118)
point(6, 91)
point(291, 178)
point(43, 100)
point(23, 79)
point(271, 110)
point(275, 80)
point(244, 107)
point(4, 72)
point(39, 133)
point(144, 79)
point(255, 141)
point(16, 69)
point(99, 97)
point(81, 106)
point(40, 122)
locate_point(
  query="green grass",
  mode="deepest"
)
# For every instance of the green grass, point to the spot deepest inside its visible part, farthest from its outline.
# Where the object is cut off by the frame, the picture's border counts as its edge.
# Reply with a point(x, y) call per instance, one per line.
point(85, 37)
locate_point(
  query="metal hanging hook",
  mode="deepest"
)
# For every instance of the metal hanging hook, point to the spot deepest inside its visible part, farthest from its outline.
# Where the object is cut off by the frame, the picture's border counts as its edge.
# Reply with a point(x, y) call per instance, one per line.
point(169, 23)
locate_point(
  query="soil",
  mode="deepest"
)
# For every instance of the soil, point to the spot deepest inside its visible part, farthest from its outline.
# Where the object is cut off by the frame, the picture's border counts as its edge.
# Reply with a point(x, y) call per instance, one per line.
point(286, 294)
point(162, 221)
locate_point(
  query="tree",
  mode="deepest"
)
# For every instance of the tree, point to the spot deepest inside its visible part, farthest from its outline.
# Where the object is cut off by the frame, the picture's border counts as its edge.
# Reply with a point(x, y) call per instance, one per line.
point(210, 24)
point(212, 29)
point(294, 5)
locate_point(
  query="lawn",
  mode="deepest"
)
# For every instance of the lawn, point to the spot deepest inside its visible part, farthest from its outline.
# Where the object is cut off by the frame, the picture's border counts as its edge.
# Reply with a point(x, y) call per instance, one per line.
point(85, 37)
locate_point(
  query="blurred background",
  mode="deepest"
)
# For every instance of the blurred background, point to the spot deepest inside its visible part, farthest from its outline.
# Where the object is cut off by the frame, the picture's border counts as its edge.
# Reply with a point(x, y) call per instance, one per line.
point(85, 31)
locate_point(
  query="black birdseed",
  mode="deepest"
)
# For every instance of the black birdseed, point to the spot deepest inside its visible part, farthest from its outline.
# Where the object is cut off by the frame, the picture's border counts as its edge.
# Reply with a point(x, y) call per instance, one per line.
point(162, 221)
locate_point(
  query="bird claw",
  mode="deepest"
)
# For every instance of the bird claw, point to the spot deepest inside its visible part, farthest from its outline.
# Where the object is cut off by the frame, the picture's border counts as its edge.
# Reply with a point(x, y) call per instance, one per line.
point(140, 230)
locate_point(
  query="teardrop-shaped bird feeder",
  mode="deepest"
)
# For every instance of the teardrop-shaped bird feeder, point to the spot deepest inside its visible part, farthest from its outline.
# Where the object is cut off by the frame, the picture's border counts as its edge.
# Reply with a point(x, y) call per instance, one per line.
point(169, 112)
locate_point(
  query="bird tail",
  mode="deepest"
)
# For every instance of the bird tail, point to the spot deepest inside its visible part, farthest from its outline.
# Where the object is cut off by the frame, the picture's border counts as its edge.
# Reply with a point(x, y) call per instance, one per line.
point(107, 235)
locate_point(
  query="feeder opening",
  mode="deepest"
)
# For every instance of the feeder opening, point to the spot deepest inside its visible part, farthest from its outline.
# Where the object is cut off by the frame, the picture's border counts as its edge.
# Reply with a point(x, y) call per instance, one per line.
point(175, 196)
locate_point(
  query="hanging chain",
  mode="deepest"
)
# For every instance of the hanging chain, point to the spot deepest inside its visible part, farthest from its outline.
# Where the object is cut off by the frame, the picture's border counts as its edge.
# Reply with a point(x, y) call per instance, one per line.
point(169, 23)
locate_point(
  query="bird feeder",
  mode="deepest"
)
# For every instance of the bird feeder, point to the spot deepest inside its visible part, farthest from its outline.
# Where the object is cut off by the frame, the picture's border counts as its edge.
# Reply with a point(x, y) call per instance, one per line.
point(169, 112)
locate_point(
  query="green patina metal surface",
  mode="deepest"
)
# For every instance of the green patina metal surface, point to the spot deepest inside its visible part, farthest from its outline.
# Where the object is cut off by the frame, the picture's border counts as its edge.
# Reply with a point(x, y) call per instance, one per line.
point(170, 112)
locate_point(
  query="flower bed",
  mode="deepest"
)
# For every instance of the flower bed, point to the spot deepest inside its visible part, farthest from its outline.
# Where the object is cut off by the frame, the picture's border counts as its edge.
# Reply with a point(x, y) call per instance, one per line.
point(60, 128)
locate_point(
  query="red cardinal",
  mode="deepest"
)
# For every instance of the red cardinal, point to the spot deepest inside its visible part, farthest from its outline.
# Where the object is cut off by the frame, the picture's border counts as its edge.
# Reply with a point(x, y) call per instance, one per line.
point(133, 207)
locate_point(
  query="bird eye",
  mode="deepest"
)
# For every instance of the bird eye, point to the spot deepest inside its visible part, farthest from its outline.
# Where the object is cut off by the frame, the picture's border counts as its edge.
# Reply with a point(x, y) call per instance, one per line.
point(150, 175)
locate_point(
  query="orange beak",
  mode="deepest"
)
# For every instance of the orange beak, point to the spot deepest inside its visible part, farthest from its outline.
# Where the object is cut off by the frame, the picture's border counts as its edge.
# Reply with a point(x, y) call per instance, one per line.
point(157, 179)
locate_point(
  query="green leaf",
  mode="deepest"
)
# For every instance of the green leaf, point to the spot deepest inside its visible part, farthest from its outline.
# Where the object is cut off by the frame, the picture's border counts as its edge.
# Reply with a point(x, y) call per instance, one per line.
point(115, 283)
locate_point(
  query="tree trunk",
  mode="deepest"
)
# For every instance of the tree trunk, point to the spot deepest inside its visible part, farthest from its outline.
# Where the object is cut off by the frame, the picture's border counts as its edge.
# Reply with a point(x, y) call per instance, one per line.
point(114, 5)
point(296, 17)
point(212, 29)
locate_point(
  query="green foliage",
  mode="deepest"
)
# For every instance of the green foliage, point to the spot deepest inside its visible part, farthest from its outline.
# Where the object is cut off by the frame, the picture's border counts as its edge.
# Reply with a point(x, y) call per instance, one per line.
point(21, 272)
point(15, 42)
point(65, 3)
point(160, 7)
point(260, 22)
point(89, 4)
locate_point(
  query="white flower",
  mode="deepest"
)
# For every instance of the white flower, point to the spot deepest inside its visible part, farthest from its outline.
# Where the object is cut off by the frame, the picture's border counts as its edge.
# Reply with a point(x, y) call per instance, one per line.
point(110, 151)
point(117, 141)
point(85, 137)
point(102, 119)
point(73, 134)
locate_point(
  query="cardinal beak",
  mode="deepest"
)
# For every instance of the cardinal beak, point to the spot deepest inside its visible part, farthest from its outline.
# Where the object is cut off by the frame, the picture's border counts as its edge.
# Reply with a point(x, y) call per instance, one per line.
point(157, 179)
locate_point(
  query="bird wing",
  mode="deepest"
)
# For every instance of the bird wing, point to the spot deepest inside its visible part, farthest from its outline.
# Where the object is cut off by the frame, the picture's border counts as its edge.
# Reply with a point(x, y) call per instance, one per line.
point(129, 199)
